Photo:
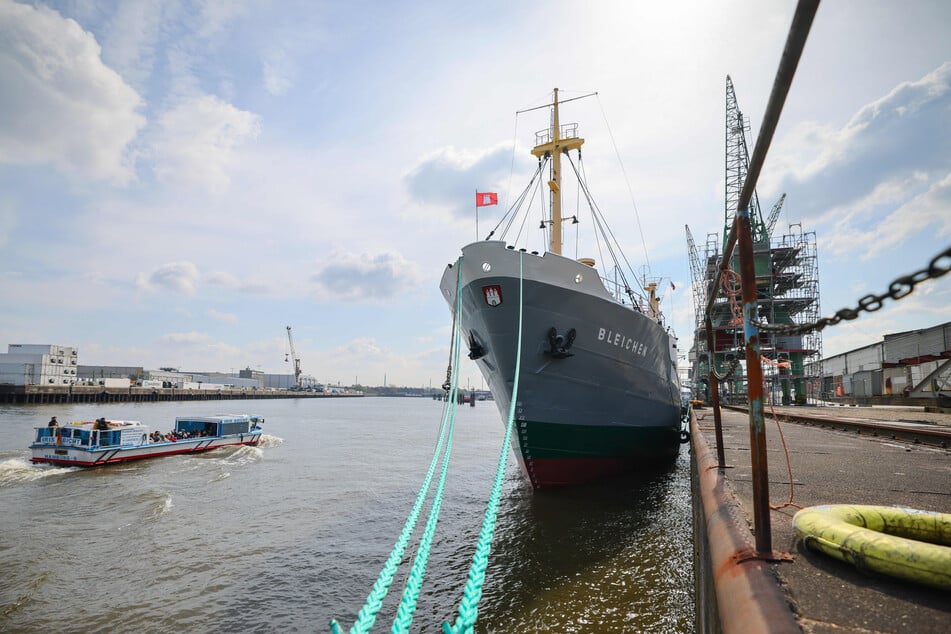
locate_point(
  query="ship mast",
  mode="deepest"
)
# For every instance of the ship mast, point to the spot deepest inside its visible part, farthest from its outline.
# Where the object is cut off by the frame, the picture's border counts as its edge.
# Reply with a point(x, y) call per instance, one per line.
point(553, 144)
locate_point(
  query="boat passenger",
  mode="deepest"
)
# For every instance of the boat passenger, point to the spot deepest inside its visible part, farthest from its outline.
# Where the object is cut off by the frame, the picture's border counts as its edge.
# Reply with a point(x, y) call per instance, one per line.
point(101, 424)
point(52, 423)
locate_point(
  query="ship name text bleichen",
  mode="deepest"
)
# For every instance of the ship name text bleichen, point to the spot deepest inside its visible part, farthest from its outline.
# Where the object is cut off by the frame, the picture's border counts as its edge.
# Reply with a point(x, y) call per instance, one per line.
point(623, 342)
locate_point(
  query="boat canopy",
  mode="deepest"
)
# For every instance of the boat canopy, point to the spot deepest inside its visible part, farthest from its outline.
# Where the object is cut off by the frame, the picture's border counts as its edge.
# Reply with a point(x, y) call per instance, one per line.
point(219, 425)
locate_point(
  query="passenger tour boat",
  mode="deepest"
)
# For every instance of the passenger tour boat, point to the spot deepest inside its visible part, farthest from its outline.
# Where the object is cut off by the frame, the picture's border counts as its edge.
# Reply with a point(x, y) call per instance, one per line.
point(91, 444)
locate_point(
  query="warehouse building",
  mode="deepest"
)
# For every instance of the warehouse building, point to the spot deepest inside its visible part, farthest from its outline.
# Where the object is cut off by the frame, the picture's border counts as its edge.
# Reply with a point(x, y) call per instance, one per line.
point(914, 364)
point(39, 364)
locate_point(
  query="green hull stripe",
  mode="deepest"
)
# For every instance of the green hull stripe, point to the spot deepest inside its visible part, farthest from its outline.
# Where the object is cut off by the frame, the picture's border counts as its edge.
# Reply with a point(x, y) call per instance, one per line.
point(551, 440)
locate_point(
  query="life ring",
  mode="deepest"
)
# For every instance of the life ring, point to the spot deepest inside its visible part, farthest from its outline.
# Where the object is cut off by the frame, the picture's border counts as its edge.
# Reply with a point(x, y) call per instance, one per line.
point(684, 436)
point(901, 542)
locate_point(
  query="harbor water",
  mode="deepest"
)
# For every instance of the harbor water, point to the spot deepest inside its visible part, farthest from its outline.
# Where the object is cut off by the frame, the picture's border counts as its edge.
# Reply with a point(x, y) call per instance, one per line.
point(287, 535)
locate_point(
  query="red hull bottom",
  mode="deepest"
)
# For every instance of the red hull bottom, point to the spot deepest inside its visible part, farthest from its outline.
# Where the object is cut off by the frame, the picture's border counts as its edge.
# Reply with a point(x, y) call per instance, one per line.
point(559, 472)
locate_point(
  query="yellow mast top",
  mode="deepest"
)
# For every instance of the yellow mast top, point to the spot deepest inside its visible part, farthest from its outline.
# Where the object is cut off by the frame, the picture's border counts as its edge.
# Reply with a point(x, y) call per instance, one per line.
point(555, 146)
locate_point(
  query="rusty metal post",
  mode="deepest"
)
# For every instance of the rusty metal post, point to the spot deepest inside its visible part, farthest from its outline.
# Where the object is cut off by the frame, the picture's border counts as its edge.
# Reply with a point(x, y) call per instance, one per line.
point(741, 237)
point(754, 386)
point(715, 393)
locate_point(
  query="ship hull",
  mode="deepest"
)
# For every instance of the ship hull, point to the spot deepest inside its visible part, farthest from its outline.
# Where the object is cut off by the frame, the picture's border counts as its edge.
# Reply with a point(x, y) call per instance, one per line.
point(606, 404)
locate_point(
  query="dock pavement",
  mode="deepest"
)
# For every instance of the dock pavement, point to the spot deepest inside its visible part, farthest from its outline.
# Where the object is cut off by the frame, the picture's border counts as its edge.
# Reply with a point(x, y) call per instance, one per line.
point(834, 466)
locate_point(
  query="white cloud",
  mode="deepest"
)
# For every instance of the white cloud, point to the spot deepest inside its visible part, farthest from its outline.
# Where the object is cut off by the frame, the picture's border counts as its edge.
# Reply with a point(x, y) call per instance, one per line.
point(187, 338)
point(195, 142)
point(361, 348)
point(131, 38)
point(217, 16)
point(181, 277)
point(447, 176)
point(61, 105)
point(365, 278)
point(278, 72)
point(879, 181)
point(222, 279)
point(228, 281)
point(225, 350)
point(8, 219)
point(928, 211)
point(906, 131)
point(217, 315)
point(923, 308)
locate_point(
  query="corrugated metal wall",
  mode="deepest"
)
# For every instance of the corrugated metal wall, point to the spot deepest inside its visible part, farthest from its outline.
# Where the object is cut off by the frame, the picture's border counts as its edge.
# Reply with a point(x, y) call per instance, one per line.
point(933, 341)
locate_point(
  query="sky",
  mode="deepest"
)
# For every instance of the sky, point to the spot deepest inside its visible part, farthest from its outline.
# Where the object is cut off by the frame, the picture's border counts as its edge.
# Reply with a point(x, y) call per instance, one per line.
point(180, 181)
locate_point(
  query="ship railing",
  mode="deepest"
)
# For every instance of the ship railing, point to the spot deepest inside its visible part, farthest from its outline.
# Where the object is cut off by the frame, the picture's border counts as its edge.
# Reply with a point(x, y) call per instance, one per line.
point(566, 131)
point(619, 291)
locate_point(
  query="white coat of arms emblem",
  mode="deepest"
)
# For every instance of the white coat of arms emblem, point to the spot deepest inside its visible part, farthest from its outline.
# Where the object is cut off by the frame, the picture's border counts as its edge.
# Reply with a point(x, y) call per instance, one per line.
point(492, 294)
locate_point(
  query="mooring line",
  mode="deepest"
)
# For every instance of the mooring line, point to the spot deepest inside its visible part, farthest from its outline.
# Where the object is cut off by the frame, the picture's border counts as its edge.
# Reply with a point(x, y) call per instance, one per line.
point(469, 605)
point(404, 614)
point(367, 615)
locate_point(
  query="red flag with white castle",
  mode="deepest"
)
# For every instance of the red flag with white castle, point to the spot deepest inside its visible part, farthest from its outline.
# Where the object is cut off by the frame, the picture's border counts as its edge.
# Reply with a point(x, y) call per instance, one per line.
point(484, 199)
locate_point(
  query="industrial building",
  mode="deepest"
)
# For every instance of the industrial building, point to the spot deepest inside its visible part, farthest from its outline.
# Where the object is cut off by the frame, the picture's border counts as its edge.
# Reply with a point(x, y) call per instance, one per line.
point(55, 365)
point(39, 364)
point(914, 364)
point(787, 289)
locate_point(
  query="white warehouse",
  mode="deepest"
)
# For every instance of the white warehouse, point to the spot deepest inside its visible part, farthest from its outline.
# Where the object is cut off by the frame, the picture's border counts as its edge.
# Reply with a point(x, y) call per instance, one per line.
point(38, 364)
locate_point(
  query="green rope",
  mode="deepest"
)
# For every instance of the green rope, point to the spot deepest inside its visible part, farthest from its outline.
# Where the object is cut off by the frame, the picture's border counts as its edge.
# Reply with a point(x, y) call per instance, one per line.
point(469, 606)
point(404, 615)
point(367, 614)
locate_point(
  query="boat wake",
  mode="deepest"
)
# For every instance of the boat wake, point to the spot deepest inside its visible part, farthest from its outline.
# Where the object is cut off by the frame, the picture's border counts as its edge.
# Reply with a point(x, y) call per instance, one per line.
point(270, 441)
point(242, 455)
point(159, 504)
point(18, 470)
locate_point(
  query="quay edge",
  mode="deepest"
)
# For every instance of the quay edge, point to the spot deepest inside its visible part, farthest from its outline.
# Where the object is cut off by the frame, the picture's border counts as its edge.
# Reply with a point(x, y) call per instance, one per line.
point(809, 591)
point(39, 394)
point(734, 591)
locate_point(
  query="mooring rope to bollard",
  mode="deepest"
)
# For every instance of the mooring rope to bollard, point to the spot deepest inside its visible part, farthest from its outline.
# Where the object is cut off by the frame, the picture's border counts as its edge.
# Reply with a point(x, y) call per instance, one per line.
point(368, 613)
point(469, 605)
point(404, 614)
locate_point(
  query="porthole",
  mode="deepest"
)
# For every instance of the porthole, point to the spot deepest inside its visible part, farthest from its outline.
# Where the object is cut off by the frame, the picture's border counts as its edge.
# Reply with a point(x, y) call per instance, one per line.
point(578, 278)
point(486, 267)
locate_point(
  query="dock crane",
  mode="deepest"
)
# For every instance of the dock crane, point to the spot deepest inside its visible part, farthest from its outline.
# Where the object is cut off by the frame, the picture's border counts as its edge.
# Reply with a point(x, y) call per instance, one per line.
point(293, 355)
point(774, 214)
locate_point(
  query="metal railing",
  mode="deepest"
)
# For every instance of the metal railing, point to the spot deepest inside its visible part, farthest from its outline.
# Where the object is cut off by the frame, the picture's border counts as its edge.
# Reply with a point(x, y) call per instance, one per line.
point(741, 239)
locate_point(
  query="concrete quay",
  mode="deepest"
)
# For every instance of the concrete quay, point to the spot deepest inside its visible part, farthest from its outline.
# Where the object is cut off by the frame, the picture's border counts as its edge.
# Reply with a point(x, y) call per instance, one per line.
point(812, 592)
point(41, 394)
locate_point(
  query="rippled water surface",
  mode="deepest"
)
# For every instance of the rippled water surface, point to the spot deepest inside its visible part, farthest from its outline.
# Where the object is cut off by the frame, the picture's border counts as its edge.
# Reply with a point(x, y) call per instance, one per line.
point(287, 535)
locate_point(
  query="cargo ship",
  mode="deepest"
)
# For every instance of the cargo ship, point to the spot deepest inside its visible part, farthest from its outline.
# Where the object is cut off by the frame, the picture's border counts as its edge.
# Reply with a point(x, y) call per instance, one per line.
point(598, 392)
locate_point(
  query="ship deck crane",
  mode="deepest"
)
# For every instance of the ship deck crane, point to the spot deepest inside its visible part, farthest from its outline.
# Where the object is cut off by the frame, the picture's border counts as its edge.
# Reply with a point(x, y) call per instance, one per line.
point(290, 340)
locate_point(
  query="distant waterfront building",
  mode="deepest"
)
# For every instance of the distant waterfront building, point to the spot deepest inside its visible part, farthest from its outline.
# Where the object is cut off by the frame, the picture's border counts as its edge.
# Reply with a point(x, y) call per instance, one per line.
point(169, 378)
point(55, 365)
point(93, 373)
point(39, 364)
point(227, 380)
point(255, 375)
point(914, 363)
point(286, 381)
point(279, 381)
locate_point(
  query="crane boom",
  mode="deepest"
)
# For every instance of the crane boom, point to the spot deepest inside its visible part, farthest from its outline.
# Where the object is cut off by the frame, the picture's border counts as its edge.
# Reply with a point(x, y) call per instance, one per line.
point(290, 340)
point(774, 214)
point(696, 277)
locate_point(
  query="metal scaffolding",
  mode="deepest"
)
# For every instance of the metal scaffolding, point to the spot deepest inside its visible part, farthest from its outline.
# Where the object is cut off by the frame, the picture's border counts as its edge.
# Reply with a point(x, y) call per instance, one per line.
point(787, 291)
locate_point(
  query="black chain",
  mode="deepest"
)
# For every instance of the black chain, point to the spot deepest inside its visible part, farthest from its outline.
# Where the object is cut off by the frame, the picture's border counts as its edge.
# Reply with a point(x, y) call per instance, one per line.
point(730, 373)
point(734, 364)
point(901, 287)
